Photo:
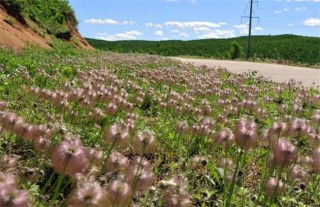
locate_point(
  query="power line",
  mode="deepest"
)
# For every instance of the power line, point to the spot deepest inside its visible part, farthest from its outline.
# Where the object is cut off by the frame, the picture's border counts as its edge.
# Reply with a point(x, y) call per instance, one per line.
point(274, 8)
point(291, 27)
point(244, 11)
point(290, 18)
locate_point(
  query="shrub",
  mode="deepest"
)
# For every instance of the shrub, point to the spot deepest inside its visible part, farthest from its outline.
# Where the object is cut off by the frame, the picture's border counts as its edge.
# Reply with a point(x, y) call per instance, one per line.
point(236, 50)
point(10, 20)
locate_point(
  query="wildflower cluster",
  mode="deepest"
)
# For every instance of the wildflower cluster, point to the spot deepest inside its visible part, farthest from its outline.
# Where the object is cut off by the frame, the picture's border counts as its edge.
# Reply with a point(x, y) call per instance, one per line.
point(125, 130)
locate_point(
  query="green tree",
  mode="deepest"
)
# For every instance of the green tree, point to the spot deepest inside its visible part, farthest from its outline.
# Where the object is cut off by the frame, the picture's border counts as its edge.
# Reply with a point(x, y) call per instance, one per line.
point(236, 50)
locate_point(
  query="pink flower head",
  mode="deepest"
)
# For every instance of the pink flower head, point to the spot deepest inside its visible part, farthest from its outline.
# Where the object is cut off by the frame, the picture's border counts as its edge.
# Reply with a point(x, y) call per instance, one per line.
point(225, 136)
point(19, 127)
point(246, 134)
point(298, 127)
point(70, 159)
point(274, 186)
point(182, 127)
point(89, 194)
point(96, 156)
point(7, 181)
point(117, 161)
point(8, 163)
point(8, 121)
point(42, 145)
point(298, 173)
point(145, 142)
point(284, 153)
point(11, 197)
point(116, 135)
point(118, 193)
point(316, 117)
point(316, 161)
point(144, 180)
point(3, 105)
point(278, 129)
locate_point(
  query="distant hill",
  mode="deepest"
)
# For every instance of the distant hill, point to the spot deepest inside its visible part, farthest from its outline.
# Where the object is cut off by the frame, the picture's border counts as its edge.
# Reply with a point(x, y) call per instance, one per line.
point(292, 48)
point(37, 22)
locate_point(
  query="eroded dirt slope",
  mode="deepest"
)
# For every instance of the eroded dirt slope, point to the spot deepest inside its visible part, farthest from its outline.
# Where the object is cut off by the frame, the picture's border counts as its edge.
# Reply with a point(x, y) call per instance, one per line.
point(17, 35)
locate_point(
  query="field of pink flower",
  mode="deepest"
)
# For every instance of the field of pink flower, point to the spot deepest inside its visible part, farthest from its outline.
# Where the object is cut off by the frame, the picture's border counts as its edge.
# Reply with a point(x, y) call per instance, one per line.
point(104, 129)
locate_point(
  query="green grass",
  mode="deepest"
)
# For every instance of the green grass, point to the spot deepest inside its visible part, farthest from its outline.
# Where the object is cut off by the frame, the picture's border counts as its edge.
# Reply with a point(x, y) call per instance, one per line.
point(282, 48)
point(73, 92)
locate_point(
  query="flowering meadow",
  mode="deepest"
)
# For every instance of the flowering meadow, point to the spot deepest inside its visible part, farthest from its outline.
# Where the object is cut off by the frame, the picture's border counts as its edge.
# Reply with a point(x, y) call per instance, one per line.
point(106, 129)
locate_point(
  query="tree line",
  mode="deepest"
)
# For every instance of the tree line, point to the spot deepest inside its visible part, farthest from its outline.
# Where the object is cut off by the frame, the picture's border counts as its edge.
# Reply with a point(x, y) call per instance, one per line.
point(292, 48)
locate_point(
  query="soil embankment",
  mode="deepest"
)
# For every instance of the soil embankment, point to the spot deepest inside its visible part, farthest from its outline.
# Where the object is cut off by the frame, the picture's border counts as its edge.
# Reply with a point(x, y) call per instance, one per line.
point(16, 34)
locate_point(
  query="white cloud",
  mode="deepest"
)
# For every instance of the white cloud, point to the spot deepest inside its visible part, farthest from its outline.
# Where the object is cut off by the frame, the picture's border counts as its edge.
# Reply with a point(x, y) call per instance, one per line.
point(134, 33)
point(184, 35)
point(149, 25)
point(191, 24)
point(198, 30)
point(129, 35)
point(108, 22)
point(222, 23)
point(175, 31)
point(290, 25)
point(258, 28)
point(170, 1)
point(312, 22)
point(217, 33)
point(301, 8)
point(193, 1)
point(179, 33)
point(159, 33)
point(244, 29)
point(281, 11)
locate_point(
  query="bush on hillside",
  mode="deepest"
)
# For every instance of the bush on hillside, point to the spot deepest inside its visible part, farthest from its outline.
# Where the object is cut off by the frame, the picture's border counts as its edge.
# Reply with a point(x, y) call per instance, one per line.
point(236, 50)
point(54, 16)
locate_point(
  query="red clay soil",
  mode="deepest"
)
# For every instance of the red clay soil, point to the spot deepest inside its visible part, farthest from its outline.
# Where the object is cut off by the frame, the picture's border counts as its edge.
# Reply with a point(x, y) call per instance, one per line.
point(17, 36)
point(82, 43)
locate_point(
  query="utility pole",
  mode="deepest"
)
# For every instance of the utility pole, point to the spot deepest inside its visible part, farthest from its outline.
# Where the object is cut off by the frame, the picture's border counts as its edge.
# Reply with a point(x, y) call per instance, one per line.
point(250, 27)
point(249, 37)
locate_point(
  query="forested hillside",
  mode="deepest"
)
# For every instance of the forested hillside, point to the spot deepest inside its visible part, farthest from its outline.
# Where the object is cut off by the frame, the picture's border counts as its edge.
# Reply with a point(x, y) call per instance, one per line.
point(297, 49)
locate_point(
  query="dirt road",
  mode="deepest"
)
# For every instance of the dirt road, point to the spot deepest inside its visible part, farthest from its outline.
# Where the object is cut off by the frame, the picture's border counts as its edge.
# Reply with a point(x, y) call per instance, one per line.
point(277, 73)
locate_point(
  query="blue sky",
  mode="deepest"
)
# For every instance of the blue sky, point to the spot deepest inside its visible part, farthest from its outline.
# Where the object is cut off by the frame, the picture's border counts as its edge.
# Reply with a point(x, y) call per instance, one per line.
point(193, 19)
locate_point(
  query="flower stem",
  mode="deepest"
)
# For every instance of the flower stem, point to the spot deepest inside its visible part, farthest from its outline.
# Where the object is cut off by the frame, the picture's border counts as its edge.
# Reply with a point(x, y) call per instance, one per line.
point(109, 153)
point(135, 179)
point(232, 186)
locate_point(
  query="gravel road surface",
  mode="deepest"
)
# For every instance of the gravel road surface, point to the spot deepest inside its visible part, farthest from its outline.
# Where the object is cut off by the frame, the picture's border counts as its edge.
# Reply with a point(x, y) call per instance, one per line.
point(277, 73)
